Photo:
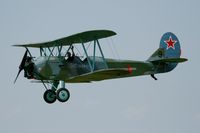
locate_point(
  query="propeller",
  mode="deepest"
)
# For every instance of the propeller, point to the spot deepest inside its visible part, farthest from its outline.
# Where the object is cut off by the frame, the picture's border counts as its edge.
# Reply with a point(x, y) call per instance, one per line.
point(22, 65)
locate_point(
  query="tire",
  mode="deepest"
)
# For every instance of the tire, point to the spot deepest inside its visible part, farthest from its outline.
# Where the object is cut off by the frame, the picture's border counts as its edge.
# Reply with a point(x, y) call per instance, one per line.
point(62, 95)
point(49, 96)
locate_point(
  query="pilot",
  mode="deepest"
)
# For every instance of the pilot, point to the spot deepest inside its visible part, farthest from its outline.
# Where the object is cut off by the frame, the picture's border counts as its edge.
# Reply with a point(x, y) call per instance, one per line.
point(72, 51)
point(71, 56)
point(29, 68)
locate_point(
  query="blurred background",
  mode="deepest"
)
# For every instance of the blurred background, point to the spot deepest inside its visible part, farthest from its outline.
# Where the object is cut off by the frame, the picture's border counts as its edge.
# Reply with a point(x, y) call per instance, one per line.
point(137, 104)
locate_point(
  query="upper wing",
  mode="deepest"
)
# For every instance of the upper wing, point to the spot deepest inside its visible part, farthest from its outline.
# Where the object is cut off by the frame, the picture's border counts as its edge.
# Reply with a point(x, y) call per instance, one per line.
point(100, 75)
point(76, 38)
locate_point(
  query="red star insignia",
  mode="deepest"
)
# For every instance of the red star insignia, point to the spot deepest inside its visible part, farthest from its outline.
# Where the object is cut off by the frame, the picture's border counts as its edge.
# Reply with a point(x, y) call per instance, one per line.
point(130, 69)
point(170, 43)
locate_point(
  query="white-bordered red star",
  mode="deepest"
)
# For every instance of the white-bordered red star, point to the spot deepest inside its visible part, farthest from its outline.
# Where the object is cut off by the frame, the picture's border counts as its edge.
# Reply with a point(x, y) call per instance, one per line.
point(130, 70)
point(170, 43)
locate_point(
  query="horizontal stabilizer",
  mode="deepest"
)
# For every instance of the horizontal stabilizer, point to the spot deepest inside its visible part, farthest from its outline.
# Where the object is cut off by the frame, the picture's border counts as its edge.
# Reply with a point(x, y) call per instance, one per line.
point(170, 60)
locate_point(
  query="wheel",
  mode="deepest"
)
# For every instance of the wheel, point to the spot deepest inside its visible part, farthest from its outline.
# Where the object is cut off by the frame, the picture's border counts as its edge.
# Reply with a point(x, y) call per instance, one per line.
point(49, 96)
point(63, 95)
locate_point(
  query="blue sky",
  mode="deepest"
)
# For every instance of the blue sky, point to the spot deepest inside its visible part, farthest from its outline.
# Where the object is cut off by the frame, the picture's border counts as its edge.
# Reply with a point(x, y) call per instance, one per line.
point(137, 104)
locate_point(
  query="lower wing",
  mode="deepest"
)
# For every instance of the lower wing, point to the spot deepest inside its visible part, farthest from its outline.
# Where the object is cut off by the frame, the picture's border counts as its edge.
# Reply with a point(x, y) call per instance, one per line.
point(100, 75)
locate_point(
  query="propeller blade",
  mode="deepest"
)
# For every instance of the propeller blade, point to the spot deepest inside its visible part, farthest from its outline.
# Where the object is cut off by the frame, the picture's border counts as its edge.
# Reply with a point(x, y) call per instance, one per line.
point(17, 75)
point(22, 64)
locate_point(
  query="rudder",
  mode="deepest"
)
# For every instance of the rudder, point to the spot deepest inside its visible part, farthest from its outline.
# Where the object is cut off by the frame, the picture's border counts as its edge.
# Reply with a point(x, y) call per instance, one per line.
point(171, 45)
point(167, 56)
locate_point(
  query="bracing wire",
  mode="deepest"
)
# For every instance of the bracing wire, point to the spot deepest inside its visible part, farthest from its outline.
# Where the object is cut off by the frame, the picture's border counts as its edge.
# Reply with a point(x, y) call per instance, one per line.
point(115, 48)
point(78, 51)
point(88, 46)
point(110, 47)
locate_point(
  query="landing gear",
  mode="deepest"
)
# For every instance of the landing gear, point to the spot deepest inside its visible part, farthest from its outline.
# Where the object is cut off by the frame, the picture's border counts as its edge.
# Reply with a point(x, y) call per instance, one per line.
point(49, 96)
point(52, 93)
point(63, 95)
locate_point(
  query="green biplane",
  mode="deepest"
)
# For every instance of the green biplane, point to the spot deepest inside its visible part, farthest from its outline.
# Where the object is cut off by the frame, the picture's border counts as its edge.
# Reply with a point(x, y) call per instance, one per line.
point(58, 64)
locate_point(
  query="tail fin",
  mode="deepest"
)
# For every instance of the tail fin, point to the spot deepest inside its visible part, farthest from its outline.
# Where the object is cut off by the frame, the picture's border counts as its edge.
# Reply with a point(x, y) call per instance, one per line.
point(170, 43)
point(167, 56)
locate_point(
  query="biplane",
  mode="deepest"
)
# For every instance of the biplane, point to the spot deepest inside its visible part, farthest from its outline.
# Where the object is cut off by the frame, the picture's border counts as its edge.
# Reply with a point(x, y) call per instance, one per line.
point(58, 64)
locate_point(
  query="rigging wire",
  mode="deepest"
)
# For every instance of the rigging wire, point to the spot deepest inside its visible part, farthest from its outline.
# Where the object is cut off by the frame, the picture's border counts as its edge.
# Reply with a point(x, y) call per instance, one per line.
point(88, 45)
point(80, 55)
point(115, 48)
point(110, 47)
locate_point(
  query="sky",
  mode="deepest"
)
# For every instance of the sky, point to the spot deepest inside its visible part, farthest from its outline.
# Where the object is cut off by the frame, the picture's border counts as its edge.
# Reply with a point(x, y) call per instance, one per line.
point(128, 105)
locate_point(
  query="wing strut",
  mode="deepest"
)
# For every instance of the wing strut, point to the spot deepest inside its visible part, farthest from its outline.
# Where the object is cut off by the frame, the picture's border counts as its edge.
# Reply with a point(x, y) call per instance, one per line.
point(94, 53)
point(102, 54)
point(91, 61)
point(88, 60)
